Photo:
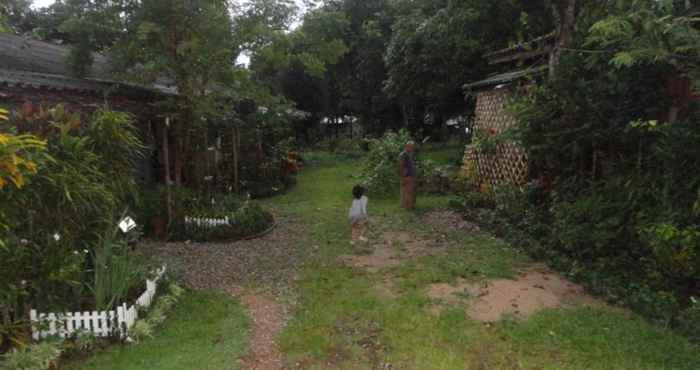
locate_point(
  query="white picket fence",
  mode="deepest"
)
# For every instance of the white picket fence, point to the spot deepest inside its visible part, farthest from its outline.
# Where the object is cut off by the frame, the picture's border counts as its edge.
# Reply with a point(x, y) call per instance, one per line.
point(99, 323)
point(206, 222)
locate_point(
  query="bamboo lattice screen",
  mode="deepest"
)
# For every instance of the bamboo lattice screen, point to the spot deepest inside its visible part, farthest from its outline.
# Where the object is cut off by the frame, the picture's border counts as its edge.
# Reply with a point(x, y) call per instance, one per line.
point(508, 163)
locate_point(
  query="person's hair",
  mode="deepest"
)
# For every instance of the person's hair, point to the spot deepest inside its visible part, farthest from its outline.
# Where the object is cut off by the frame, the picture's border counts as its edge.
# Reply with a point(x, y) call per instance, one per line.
point(358, 191)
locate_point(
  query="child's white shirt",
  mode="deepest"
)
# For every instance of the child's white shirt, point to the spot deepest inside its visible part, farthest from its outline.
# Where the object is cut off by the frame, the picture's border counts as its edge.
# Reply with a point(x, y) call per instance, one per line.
point(358, 210)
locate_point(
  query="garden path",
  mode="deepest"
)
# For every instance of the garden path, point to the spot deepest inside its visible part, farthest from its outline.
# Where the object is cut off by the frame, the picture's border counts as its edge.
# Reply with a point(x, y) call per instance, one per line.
point(257, 271)
point(410, 298)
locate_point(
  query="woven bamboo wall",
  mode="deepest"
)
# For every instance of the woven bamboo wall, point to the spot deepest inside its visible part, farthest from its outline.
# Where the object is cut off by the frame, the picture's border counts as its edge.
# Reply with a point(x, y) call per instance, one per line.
point(507, 164)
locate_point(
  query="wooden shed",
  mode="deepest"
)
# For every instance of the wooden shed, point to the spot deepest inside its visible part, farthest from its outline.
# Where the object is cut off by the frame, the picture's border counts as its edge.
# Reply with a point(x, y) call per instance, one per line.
point(507, 162)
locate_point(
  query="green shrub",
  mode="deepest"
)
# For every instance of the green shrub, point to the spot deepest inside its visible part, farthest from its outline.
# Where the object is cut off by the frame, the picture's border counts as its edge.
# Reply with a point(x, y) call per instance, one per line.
point(433, 178)
point(688, 322)
point(61, 210)
point(144, 328)
point(478, 200)
point(40, 356)
point(246, 218)
point(114, 271)
point(675, 251)
point(659, 306)
point(380, 170)
point(588, 227)
point(511, 201)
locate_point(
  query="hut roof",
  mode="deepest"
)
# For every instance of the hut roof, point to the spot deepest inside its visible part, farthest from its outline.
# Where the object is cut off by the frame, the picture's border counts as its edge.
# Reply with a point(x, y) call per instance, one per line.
point(506, 78)
point(25, 54)
point(15, 78)
point(31, 63)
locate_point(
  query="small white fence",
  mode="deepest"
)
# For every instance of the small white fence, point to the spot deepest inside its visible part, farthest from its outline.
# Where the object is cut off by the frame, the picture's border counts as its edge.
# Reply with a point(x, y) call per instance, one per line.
point(207, 222)
point(98, 323)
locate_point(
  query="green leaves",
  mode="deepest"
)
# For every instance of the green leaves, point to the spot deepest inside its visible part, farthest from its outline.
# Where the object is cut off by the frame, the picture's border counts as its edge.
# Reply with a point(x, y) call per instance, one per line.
point(649, 33)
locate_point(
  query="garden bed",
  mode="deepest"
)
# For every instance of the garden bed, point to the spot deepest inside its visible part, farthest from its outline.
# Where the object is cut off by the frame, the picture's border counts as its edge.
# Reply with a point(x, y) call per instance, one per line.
point(98, 323)
point(252, 223)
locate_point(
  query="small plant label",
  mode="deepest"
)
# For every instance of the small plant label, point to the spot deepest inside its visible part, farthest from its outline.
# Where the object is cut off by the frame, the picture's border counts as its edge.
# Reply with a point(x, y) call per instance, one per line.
point(127, 224)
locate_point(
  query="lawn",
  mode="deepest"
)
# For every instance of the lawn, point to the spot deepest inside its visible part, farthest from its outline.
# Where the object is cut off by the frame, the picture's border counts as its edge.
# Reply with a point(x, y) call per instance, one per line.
point(343, 322)
point(205, 330)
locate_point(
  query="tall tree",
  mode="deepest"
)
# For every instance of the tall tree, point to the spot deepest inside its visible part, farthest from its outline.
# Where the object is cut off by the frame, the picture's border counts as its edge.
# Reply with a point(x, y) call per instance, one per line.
point(565, 13)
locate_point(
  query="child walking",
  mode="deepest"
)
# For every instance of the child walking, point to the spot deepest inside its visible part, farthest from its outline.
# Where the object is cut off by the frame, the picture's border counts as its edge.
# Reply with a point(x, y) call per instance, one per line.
point(358, 214)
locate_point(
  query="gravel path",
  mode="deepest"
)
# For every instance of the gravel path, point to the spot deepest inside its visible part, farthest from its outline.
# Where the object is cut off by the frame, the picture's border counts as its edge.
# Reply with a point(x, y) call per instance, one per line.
point(258, 272)
point(268, 264)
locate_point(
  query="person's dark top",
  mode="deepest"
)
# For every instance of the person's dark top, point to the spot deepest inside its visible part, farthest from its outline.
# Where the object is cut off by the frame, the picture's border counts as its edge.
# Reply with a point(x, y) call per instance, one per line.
point(408, 164)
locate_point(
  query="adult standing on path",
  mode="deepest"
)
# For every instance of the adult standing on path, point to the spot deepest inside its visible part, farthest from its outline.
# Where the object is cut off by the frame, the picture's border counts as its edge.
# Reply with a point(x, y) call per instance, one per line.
point(407, 170)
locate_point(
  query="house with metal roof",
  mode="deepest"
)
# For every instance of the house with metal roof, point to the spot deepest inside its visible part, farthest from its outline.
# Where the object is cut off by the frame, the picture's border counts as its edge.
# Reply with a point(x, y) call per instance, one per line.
point(35, 73)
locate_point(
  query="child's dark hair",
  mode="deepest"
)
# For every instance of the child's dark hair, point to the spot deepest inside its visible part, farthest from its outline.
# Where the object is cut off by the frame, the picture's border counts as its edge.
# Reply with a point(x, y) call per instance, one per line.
point(358, 191)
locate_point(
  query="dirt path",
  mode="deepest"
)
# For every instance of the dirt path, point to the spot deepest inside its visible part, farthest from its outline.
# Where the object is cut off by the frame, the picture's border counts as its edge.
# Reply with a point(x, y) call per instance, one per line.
point(267, 318)
point(534, 288)
point(257, 272)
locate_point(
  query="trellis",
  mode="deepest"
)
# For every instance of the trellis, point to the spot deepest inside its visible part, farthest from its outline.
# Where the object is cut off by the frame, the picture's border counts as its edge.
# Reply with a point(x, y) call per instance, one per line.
point(507, 163)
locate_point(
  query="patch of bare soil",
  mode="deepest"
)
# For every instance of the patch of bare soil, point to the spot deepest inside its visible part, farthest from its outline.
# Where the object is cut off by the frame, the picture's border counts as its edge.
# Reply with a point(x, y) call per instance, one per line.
point(267, 318)
point(382, 256)
point(448, 221)
point(386, 288)
point(395, 248)
point(534, 289)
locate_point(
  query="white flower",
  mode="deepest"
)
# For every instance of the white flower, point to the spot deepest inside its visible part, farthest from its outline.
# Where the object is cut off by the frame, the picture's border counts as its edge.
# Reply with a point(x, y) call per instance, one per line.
point(56, 237)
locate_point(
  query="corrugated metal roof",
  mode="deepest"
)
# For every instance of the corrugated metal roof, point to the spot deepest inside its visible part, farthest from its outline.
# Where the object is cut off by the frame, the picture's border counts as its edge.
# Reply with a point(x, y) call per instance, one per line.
point(25, 54)
point(47, 81)
point(32, 63)
point(505, 78)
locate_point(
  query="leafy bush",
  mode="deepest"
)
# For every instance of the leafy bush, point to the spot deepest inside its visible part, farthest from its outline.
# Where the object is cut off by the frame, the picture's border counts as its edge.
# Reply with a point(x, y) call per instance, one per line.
point(689, 320)
point(433, 178)
point(41, 356)
point(511, 201)
point(61, 210)
point(478, 200)
point(676, 251)
point(618, 209)
point(144, 328)
point(246, 218)
point(114, 271)
point(380, 171)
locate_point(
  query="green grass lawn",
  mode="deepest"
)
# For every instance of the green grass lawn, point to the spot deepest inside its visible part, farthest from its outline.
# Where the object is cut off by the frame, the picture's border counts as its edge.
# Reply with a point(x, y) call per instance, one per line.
point(205, 330)
point(344, 322)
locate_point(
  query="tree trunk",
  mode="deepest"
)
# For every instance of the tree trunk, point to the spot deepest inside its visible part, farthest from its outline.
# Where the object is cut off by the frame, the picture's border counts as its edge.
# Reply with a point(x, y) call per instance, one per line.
point(566, 14)
point(166, 165)
point(235, 142)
